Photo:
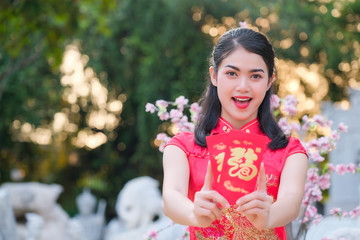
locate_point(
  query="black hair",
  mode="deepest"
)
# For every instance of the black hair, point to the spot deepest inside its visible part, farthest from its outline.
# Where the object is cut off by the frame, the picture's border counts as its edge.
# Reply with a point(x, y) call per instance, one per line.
point(254, 42)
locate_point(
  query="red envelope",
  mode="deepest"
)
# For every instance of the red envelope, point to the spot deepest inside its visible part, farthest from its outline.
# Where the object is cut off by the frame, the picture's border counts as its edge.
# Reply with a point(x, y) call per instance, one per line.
point(235, 161)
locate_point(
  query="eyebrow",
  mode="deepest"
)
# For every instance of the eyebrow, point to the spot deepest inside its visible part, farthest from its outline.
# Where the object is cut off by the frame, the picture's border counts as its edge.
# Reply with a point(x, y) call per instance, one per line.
point(252, 70)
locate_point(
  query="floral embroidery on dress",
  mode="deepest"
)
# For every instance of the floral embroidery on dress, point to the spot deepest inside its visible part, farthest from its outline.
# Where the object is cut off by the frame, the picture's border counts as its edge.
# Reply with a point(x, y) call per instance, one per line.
point(272, 181)
point(234, 226)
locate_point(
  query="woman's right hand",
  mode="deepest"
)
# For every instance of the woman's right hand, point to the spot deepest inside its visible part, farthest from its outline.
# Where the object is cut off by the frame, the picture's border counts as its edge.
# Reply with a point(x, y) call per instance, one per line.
point(208, 203)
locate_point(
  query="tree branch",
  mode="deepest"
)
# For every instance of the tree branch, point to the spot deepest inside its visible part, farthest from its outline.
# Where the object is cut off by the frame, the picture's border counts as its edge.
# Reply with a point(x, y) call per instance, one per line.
point(22, 63)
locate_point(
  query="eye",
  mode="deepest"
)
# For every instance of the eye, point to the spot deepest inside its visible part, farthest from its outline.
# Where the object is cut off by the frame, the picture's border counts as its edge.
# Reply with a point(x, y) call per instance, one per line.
point(231, 73)
point(256, 76)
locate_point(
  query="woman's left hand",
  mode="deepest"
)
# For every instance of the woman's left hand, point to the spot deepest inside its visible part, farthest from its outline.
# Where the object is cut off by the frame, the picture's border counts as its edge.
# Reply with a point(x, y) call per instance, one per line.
point(256, 205)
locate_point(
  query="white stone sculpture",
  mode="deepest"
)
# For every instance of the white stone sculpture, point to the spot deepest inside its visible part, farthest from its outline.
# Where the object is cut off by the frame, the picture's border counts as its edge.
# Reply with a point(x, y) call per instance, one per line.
point(345, 233)
point(34, 226)
point(41, 199)
point(7, 219)
point(139, 210)
point(87, 224)
point(74, 230)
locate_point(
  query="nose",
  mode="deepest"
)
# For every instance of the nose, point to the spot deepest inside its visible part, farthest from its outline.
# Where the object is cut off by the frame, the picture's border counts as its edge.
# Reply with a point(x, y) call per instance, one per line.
point(242, 84)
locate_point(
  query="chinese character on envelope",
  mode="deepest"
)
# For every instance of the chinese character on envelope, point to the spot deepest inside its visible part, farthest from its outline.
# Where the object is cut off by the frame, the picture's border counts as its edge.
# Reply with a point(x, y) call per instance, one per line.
point(235, 161)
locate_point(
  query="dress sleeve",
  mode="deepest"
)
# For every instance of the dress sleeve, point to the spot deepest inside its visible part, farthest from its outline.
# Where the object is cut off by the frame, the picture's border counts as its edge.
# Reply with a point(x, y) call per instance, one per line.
point(181, 140)
point(295, 146)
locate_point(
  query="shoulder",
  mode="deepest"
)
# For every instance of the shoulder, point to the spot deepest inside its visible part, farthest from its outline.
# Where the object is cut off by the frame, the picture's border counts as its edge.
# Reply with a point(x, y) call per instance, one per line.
point(295, 146)
point(185, 141)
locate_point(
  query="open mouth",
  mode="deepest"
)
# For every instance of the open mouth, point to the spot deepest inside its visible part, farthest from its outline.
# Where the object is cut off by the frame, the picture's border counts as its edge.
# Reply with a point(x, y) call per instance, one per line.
point(242, 102)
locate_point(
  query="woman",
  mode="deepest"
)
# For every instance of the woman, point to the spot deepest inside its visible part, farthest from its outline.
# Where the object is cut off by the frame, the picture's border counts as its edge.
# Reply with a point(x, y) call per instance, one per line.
point(237, 97)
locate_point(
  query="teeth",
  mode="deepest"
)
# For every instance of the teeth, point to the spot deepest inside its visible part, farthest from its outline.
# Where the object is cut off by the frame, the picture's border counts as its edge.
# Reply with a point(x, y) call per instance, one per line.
point(242, 100)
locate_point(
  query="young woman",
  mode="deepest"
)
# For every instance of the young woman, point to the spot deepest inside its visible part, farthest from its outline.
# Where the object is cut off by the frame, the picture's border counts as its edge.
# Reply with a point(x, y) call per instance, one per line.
point(237, 97)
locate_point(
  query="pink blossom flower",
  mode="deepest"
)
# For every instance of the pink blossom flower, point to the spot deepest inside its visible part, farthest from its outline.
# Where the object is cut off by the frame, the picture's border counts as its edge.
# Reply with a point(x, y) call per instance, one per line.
point(290, 103)
point(317, 219)
point(355, 212)
point(283, 124)
point(331, 167)
point(335, 135)
point(342, 127)
point(324, 181)
point(152, 234)
point(195, 107)
point(314, 143)
point(307, 196)
point(274, 101)
point(335, 211)
point(305, 123)
point(181, 102)
point(161, 136)
point(340, 169)
point(295, 127)
point(184, 125)
point(291, 100)
point(324, 144)
point(316, 157)
point(320, 120)
point(161, 104)
point(351, 168)
point(243, 24)
point(290, 109)
point(150, 108)
point(310, 212)
point(163, 116)
point(316, 193)
point(194, 111)
point(164, 138)
point(305, 201)
point(175, 115)
point(312, 175)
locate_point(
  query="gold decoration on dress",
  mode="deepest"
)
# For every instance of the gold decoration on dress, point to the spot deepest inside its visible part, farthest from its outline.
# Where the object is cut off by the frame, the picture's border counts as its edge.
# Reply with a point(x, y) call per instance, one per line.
point(235, 227)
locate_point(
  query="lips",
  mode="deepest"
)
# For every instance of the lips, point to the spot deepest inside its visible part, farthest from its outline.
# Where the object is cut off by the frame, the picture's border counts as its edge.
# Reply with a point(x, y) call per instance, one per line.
point(242, 102)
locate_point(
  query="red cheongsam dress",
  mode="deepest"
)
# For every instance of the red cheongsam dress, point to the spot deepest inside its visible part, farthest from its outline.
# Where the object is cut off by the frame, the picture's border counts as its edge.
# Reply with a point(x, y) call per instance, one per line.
point(233, 225)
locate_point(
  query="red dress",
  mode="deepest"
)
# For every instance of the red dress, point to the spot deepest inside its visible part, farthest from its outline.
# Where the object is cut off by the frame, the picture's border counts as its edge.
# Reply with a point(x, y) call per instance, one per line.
point(233, 225)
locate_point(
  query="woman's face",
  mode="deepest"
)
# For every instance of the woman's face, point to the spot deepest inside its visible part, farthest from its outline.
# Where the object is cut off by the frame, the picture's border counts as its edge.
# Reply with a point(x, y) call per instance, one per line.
point(242, 81)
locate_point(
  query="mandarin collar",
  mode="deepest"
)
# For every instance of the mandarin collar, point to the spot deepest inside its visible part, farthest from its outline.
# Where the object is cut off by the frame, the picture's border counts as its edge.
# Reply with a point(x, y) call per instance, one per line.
point(224, 126)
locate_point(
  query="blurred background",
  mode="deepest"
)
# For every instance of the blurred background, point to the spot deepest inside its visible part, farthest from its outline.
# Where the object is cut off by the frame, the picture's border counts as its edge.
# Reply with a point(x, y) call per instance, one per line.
point(75, 77)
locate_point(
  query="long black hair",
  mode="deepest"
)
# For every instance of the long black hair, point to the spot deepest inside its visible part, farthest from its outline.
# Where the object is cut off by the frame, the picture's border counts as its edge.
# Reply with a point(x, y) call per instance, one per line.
point(254, 42)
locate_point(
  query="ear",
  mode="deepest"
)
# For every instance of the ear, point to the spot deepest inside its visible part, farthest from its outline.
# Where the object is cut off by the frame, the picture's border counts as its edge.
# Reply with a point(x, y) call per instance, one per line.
point(213, 76)
point(271, 80)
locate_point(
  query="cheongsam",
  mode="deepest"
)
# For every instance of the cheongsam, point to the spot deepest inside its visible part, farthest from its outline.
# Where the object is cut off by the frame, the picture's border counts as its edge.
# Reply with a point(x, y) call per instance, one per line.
point(233, 225)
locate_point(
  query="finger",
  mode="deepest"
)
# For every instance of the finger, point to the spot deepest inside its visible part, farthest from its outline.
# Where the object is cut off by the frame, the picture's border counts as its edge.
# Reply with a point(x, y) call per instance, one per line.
point(220, 200)
point(262, 179)
point(255, 204)
point(208, 178)
point(214, 210)
point(205, 212)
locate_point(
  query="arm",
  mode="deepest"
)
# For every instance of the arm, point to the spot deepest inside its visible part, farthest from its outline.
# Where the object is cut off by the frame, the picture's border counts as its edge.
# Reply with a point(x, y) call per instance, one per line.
point(177, 205)
point(258, 206)
point(175, 186)
point(291, 191)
